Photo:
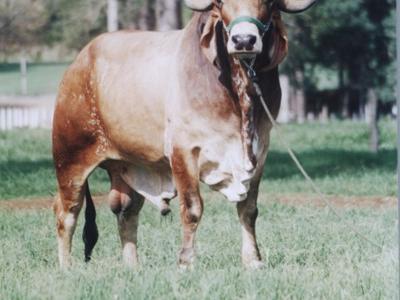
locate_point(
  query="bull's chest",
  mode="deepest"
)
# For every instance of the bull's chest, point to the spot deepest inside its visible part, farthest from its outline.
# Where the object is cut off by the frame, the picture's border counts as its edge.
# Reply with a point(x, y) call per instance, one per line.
point(226, 167)
point(224, 161)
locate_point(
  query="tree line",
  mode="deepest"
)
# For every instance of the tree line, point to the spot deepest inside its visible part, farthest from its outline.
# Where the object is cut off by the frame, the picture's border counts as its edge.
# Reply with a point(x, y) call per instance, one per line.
point(341, 60)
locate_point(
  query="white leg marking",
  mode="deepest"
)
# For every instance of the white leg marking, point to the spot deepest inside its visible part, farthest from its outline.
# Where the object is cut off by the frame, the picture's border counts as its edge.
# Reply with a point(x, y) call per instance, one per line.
point(129, 254)
point(249, 251)
point(64, 239)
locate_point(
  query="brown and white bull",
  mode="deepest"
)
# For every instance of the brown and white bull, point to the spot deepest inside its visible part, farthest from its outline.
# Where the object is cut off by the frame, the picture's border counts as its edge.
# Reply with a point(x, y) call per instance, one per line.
point(162, 112)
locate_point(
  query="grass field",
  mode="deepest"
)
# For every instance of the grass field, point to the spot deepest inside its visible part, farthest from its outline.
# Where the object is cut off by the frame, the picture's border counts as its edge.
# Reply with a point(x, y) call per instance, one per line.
point(43, 78)
point(335, 154)
point(309, 253)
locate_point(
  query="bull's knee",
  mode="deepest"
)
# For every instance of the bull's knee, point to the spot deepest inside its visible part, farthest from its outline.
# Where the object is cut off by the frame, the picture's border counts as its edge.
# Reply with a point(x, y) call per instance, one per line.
point(247, 212)
point(249, 216)
point(66, 216)
point(191, 213)
point(192, 209)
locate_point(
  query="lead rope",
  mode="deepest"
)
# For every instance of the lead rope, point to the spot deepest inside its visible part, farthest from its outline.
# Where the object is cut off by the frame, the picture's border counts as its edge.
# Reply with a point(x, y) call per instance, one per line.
point(253, 77)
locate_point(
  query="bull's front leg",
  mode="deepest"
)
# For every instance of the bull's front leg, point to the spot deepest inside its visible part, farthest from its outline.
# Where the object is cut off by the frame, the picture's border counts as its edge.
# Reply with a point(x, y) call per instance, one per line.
point(248, 212)
point(186, 176)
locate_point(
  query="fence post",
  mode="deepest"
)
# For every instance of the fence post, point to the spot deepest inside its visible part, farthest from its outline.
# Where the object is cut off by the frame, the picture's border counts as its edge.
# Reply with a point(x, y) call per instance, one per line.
point(24, 78)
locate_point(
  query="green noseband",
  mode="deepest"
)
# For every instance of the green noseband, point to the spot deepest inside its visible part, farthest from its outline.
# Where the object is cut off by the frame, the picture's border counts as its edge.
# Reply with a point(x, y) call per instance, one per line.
point(263, 28)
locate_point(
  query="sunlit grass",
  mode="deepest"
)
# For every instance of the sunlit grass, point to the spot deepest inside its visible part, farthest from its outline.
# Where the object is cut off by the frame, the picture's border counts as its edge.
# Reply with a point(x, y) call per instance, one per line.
point(309, 254)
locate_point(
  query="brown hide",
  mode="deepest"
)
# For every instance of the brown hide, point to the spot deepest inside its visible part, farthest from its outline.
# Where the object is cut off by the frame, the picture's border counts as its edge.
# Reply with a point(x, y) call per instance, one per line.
point(162, 112)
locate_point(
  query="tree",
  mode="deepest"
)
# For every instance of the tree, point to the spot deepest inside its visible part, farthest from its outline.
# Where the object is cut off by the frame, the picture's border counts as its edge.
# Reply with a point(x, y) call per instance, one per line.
point(138, 14)
point(169, 14)
point(354, 38)
point(299, 30)
point(360, 48)
point(21, 22)
point(75, 23)
point(112, 15)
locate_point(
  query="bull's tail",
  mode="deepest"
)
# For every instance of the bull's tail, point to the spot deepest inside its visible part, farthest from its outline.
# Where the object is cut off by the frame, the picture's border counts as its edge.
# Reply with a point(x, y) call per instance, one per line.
point(90, 233)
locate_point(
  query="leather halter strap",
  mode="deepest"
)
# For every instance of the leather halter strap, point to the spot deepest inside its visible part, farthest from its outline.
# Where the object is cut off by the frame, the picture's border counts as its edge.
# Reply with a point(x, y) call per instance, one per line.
point(263, 28)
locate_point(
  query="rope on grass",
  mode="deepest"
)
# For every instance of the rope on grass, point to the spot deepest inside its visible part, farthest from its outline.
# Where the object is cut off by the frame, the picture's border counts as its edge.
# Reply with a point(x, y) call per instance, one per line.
point(304, 173)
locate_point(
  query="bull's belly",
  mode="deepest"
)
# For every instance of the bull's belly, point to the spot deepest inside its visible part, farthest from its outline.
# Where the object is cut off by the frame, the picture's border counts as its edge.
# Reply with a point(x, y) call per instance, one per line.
point(156, 185)
point(223, 167)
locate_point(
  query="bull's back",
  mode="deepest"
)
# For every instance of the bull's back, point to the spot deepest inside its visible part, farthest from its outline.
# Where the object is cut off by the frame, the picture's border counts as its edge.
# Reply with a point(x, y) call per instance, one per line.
point(116, 92)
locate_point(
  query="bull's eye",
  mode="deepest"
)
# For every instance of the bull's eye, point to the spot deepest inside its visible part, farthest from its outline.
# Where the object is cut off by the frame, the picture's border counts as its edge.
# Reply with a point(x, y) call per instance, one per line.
point(219, 3)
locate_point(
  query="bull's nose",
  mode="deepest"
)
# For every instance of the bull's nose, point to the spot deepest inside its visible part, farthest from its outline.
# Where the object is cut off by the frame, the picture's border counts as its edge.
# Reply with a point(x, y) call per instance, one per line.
point(244, 41)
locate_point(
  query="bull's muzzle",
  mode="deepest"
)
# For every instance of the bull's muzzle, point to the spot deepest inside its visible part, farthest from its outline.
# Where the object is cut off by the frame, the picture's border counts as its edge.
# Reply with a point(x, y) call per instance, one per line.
point(245, 37)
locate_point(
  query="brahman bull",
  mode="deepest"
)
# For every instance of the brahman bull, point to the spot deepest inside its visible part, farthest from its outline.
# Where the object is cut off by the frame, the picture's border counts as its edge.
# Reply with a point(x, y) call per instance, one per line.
point(162, 111)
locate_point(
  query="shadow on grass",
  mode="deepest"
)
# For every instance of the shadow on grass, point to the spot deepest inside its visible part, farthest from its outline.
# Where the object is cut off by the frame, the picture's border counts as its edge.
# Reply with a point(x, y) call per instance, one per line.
point(39, 175)
point(37, 178)
point(19, 166)
point(15, 67)
point(11, 168)
point(319, 163)
point(9, 68)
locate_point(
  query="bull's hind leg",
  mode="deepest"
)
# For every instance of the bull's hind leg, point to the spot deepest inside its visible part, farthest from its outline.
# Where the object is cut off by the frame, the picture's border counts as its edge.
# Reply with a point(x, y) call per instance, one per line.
point(71, 190)
point(248, 212)
point(186, 176)
point(126, 204)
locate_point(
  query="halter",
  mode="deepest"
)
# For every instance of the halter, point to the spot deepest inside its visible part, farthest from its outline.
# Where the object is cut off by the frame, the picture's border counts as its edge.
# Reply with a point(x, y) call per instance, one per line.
point(263, 28)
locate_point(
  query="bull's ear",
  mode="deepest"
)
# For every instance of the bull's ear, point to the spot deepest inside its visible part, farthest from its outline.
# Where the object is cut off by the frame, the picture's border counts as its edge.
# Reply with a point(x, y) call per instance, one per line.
point(199, 5)
point(280, 46)
point(207, 36)
point(207, 32)
point(275, 46)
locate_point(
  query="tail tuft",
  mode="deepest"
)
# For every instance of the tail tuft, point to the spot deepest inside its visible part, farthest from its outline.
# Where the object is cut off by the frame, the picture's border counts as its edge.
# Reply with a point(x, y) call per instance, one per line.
point(90, 233)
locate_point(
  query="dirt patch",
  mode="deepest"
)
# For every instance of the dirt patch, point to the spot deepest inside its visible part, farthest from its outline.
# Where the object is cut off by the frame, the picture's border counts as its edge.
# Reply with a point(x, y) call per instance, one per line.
point(345, 202)
point(375, 202)
point(38, 203)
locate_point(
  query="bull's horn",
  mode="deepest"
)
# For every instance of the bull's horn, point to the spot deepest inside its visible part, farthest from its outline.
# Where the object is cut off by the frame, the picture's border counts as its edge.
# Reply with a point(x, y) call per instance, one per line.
point(295, 6)
point(199, 5)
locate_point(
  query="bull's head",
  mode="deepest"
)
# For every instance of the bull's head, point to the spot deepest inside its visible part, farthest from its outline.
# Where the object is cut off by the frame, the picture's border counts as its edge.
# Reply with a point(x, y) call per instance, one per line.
point(247, 21)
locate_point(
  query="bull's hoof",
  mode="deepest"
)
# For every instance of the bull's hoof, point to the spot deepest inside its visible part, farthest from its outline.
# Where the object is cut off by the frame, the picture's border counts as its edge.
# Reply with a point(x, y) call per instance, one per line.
point(254, 265)
point(165, 211)
point(164, 207)
point(185, 267)
point(186, 258)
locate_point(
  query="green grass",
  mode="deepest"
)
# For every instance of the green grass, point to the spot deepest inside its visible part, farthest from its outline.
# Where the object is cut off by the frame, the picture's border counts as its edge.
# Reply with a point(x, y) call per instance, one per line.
point(308, 253)
point(336, 155)
point(42, 78)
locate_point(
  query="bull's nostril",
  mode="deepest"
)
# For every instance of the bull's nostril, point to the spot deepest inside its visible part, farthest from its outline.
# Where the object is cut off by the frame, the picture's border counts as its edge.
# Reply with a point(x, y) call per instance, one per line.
point(244, 41)
point(239, 47)
point(252, 40)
